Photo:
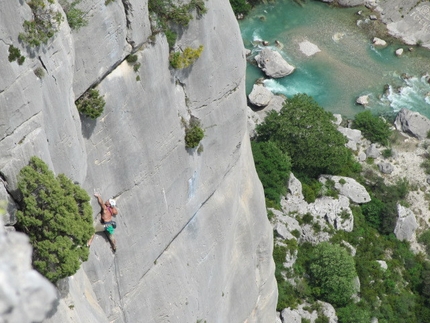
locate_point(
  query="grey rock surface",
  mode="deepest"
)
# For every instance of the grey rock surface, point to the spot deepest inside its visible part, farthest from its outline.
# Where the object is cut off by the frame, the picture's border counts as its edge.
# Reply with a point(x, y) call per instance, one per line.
point(192, 226)
point(363, 100)
point(9, 215)
point(412, 123)
point(353, 135)
point(275, 104)
point(372, 151)
point(407, 20)
point(406, 223)
point(385, 168)
point(260, 95)
point(25, 295)
point(273, 64)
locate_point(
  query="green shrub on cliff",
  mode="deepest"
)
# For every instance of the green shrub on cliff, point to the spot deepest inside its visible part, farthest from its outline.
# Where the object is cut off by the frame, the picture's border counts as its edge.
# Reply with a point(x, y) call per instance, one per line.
point(167, 11)
point(75, 17)
point(43, 26)
point(57, 217)
point(15, 55)
point(91, 104)
point(180, 60)
point(193, 133)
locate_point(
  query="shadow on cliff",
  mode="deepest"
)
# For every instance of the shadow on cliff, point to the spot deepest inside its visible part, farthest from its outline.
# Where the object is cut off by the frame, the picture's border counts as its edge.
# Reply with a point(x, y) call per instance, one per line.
point(87, 126)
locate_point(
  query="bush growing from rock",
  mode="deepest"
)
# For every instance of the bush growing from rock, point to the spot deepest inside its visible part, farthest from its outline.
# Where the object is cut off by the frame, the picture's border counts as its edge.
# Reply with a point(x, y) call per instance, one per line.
point(184, 59)
point(43, 26)
point(91, 104)
point(57, 217)
point(372, 127)
point(193, 133)
point(75, 17)
point(15, 55)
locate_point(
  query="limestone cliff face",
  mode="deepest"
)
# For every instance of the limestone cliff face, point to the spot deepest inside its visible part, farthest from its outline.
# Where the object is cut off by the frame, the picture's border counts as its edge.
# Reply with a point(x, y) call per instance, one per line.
point(194, 242)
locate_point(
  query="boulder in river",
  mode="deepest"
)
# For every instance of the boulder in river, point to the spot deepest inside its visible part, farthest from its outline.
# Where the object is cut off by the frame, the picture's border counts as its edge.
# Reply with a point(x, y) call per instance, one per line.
point(273, 64)
point(379, 42)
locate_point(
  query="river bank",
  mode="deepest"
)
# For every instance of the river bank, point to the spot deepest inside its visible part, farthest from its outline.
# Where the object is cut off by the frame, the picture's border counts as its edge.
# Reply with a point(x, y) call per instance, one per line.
point(348, 64)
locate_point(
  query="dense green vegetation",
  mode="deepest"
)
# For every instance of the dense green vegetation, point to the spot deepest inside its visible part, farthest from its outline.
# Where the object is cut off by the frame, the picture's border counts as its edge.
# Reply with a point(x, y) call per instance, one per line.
point(243, 7)
point(326, 271)
point(305, 131)
point(273, 168)
point(332, 271)
point(91, 104)
point(57, 217)
point(372, 127)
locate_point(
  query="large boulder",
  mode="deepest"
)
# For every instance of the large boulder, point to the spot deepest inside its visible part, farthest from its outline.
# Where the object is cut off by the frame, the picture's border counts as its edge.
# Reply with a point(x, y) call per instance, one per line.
point(348, 187)
point(260, 95)
point(406, 223)
point(273, 64)
point(379, 42)
point(412, 123)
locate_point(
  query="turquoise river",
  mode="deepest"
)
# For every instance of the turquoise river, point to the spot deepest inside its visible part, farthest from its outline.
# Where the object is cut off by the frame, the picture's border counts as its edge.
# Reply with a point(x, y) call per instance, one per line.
point(347, 66)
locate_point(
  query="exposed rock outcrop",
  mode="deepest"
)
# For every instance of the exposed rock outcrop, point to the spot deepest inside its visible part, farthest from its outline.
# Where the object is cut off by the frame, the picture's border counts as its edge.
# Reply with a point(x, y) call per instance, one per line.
point(406, 223)
point(349, 187)
point(25, 295)
point(412, 123)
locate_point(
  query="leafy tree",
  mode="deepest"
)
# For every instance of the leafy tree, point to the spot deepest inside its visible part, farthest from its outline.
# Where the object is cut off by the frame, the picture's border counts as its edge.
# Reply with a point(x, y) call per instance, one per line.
point(372, 127)
point(332, 271)
point(57, 217)
point(305, 131)
point(273, 168)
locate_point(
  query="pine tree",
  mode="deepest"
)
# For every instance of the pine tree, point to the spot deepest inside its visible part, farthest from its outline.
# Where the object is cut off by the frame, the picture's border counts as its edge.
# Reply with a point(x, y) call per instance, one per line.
point(56, 215)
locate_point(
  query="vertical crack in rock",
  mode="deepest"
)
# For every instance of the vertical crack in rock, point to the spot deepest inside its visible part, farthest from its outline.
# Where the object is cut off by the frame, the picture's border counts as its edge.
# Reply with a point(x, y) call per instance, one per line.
point(43, 64)
point(121, 303)
point(128, 9)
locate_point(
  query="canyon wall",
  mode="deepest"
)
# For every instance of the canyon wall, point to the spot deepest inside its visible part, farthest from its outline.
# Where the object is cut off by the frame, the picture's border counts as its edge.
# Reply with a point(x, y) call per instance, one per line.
point(193, 239)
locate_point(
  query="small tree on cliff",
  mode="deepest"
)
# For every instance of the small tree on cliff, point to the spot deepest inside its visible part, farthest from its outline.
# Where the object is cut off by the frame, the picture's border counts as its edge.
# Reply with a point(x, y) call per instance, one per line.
point(57, 216)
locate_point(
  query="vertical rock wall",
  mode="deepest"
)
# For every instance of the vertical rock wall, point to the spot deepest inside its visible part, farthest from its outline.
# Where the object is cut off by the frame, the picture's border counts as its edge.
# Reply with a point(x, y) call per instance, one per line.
point(194, 242)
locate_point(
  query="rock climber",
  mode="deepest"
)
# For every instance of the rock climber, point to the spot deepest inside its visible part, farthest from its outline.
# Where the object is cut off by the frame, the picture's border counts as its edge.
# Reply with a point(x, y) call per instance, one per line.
point(106, 223)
